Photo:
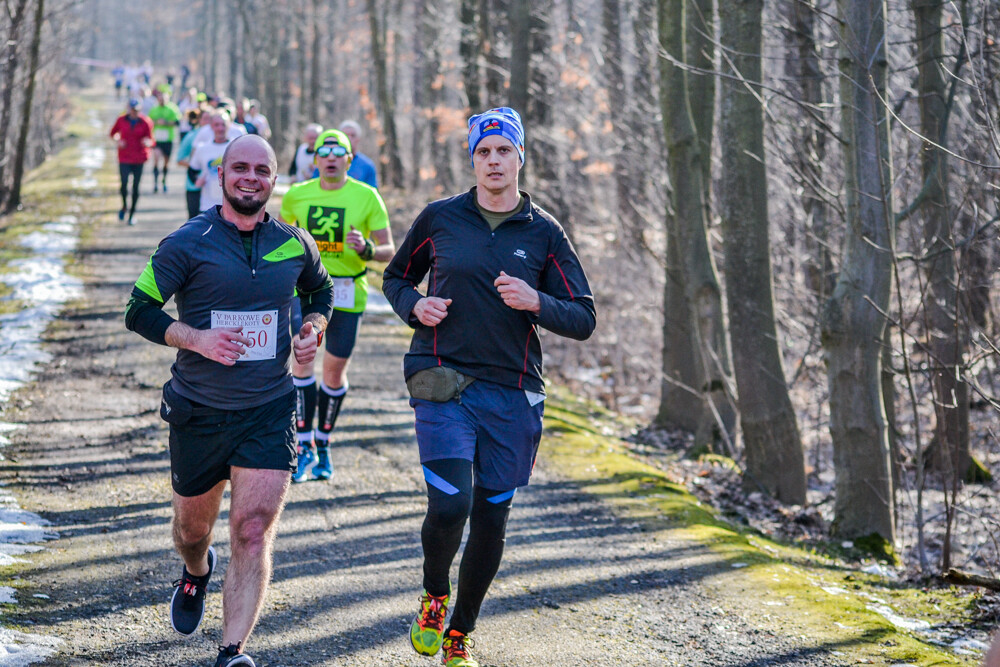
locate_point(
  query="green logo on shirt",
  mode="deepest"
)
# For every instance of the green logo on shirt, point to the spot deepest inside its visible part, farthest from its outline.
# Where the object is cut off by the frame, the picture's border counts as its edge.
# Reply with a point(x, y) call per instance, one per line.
point(287, 250)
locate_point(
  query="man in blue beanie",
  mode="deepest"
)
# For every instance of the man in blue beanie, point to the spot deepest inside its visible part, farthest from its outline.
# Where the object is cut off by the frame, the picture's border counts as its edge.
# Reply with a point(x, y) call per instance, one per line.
point(498, 266)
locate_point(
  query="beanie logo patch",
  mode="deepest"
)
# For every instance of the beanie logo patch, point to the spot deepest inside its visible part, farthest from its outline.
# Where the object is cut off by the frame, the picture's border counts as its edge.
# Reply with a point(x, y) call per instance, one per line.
point(490, 126)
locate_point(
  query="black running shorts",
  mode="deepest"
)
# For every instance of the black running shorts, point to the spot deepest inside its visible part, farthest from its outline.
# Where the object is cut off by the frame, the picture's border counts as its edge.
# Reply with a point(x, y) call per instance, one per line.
point(165, 147)
point(203, 449)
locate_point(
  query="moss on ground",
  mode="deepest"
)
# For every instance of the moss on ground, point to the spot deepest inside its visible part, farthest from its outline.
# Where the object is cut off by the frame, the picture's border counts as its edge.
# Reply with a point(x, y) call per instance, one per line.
point(835, 608)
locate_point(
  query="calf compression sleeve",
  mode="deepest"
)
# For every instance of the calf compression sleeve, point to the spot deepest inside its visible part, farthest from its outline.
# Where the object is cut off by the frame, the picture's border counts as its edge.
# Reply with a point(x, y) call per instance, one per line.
point(305, 406)
point(328, 405)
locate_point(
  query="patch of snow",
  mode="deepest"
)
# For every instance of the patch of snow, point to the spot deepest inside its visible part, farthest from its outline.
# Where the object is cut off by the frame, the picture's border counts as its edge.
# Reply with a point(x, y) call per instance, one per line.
point(968, 646)
point(40, 283)
point(19, 649)
point(912, 624)
point(880, 570)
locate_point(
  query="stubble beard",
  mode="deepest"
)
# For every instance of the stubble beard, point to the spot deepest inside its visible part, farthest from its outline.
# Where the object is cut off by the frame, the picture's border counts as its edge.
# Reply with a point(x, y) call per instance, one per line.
point(243, 206)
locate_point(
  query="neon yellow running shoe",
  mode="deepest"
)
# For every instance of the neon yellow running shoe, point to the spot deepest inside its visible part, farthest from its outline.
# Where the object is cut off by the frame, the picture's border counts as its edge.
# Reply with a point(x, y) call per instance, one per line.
point(456, 650)
point(428, 627)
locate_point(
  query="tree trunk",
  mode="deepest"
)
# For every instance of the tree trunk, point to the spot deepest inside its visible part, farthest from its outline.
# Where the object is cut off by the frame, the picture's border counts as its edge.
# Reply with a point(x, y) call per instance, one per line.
point(700, 52)
point(469, 49)
point(946, 333)
point(14, 196)
point(520, 56)
point(495, 79)
point(774, 458)
point(804, 65)
point(626, 171)
point(695, 359)
point(10, 70)
point(419, 87)
point(315, 62)
point(392, 167)
point(853, 322)
point(210, 31)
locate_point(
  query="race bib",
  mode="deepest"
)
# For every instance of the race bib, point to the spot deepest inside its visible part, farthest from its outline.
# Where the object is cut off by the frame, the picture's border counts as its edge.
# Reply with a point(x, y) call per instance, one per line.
point(161, 134)
point(261, 327)
point(343, 293)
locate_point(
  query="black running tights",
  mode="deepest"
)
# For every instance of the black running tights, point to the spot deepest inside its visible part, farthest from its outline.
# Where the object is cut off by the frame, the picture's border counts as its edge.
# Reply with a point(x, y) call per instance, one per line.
point(441, 535)
point(135, 170)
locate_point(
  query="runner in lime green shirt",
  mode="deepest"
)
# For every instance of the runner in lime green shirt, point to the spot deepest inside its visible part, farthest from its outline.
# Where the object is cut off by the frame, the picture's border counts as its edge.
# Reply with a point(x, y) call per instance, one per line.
point(165, 116)
point(349, 222)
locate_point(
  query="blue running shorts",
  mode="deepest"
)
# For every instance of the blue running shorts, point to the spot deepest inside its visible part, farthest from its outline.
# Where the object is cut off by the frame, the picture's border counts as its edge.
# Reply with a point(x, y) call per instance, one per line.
point(493, 426)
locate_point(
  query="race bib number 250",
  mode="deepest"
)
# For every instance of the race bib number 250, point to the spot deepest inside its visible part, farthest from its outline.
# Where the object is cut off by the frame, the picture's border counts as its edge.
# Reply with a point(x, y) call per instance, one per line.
point(260, 326)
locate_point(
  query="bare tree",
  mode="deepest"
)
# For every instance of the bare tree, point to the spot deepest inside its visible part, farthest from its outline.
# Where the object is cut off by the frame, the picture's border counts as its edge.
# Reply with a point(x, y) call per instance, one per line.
point(14, 195)
point(389, 151)
point(774, 460)
point(854, 318)
point(15, 18)
point(695, 358)
point(946, 332)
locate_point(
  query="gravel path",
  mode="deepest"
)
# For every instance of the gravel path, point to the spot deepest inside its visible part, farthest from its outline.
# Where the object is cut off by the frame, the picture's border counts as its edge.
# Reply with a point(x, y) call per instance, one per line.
point(579, 586)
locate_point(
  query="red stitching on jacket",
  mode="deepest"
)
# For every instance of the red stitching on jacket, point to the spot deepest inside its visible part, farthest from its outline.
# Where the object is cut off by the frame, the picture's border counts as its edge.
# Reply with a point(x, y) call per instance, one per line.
point(565, 282)
point(527, 345)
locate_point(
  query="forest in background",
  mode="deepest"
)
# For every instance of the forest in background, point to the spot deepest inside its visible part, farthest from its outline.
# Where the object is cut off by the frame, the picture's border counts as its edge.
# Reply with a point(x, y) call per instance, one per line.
point(787, 209)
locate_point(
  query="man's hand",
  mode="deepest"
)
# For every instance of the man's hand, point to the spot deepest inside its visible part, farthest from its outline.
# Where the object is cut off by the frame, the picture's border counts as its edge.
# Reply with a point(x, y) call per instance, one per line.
point(305, 344)
point(225, 344)
point(356, 240)
point(430, 310)
point(517, 294)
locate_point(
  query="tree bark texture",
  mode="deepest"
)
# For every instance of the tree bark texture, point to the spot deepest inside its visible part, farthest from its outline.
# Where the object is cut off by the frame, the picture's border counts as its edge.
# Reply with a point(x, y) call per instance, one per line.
point(10, 70)
point(700, 40)
point(392, 165)
point(695, 358)
point(495, 80)
point(774, 458)
point(469, 49)
point(804, 65)
point(14, 196)
point(853, 322)
point(946, 332)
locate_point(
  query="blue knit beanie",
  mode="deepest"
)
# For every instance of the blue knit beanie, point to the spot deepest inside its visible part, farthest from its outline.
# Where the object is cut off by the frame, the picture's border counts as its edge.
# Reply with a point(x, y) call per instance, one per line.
point(503, 121)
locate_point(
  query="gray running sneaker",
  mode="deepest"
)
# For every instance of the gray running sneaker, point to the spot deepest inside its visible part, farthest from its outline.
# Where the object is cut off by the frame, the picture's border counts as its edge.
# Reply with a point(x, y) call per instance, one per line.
point(187, 606)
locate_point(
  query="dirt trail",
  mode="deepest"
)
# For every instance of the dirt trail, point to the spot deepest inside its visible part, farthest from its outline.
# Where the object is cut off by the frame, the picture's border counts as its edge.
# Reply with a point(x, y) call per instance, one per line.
point(578, 586)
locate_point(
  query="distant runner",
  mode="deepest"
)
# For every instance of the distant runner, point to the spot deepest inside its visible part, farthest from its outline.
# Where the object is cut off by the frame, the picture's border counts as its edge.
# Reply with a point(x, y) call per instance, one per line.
point(349, 222)
point(134, 134)
point(166, 117)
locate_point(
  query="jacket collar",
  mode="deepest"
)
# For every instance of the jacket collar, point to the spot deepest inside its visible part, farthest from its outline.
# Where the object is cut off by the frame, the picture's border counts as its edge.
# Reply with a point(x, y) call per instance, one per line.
point(469, 201)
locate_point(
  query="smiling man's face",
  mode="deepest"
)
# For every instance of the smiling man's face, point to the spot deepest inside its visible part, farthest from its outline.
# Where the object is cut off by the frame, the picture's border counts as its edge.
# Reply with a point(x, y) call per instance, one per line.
point(248, 174)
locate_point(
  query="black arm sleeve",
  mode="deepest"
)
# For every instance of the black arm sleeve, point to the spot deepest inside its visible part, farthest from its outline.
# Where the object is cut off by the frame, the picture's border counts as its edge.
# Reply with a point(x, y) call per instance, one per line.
point(319, 300)
point(146, 317)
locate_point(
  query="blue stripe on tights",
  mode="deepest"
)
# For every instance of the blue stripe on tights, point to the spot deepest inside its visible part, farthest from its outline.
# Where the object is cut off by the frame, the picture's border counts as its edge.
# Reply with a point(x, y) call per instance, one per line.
point(500, 497)
point(439, 482)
